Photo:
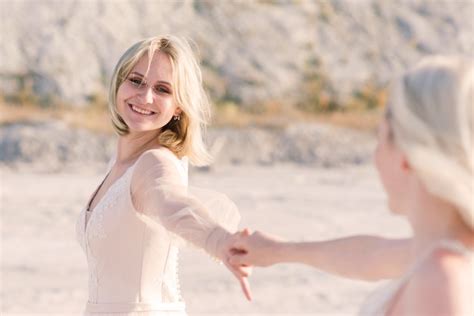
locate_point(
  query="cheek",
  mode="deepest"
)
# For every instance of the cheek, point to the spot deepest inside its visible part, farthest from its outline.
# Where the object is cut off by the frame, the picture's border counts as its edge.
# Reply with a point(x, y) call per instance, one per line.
point(385, 167)
point(167, 106)
point(391, 177)
point(121, 95)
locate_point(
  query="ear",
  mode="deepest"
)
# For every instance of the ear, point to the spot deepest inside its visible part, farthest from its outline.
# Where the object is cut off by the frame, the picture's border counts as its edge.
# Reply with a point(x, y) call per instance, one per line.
point(405, 164)
point(178, 111)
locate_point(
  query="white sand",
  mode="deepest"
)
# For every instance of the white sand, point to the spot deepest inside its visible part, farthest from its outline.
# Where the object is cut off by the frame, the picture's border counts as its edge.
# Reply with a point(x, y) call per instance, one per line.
point(44, 269)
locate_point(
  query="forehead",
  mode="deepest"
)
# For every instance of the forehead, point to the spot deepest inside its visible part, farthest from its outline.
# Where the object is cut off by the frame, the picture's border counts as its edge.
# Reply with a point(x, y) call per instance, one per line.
point(159, 68)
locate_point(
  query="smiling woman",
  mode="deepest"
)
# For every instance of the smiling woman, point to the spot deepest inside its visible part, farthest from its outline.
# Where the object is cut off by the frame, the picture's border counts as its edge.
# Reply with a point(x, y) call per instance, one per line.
point(143, 210)
point(138, 82)
point(163, 73)
point(148, 106)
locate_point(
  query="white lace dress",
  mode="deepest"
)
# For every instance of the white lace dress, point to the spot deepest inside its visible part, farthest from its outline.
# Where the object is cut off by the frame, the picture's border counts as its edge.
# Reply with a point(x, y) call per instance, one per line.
point(131, 238)
point(379, 302)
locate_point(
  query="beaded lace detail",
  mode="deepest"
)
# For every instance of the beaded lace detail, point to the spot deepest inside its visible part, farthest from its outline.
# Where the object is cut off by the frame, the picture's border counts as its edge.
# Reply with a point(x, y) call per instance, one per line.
point(178, 284)
point(170, 287)
point(95, 229)
point(95, 226)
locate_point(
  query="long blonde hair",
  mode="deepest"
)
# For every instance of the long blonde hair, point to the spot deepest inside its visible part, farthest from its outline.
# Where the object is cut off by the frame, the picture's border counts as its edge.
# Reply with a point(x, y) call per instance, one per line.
point(431, 118)
point(183, 137)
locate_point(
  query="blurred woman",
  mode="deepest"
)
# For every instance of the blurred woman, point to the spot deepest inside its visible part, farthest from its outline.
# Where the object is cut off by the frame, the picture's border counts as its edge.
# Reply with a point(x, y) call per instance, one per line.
point(143, 209)
point(425, 162)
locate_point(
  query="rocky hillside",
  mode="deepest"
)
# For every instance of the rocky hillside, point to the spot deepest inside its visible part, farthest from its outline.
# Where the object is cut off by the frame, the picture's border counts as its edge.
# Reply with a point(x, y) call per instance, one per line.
point(251, 51)
point(53, 146)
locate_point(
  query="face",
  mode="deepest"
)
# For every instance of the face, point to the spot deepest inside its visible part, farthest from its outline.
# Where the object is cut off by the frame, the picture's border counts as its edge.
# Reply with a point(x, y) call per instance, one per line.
point(393, 170)
point(146, 103)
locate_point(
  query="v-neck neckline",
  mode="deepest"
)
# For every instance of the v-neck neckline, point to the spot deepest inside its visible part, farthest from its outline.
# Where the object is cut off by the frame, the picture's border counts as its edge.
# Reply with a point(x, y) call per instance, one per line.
point(94, 195)
point(90, 212)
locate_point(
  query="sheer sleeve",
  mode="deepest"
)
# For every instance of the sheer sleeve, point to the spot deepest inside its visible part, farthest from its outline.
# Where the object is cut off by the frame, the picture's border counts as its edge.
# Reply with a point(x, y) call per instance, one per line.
point(162, 197)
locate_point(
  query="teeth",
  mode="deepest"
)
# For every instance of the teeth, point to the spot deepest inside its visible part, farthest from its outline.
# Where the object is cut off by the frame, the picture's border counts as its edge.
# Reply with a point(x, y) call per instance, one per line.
point(141, 111)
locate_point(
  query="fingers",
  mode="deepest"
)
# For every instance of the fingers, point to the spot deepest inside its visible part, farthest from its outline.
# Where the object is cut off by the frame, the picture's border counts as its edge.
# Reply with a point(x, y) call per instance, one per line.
point(244, 270)
point(236, 251)
point(244, 284)
point(245, 232)
point(238, 260)
point(240, 270)
point(239, 237)
point(241, 273)
point(240, 244)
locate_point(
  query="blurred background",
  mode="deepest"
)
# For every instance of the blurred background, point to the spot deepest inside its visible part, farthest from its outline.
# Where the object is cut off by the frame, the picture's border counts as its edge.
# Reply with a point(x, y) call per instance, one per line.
point(297, 88)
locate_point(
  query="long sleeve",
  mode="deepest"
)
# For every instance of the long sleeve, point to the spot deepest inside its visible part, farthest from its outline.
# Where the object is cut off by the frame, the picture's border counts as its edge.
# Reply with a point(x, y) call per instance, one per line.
point(161, 197)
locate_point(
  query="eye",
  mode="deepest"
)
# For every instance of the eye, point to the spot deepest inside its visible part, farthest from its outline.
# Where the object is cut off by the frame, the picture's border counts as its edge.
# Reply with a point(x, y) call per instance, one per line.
point(162, 89)
point(136, 81)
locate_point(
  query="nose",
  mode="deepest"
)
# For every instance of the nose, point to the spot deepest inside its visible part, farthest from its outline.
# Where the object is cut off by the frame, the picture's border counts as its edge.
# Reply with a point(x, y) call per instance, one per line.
point(147, 95)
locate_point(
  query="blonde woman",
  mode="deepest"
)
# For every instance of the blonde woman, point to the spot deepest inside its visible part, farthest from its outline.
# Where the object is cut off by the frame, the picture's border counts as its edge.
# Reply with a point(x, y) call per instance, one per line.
point(144, 210)
point(425, 162)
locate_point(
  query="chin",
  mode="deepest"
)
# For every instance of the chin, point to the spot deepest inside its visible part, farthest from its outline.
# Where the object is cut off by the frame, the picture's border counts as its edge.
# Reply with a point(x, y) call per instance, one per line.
point(134, 126)
point(142, 129)
point(138, 126)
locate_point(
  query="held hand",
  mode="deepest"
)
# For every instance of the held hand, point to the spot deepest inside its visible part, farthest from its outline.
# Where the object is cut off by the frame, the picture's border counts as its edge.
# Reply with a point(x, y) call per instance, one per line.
point(257, 249)
point(241, 272)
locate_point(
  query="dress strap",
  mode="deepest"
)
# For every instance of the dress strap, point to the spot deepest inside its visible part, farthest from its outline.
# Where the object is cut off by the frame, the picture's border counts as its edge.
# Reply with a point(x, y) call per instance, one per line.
point(455, 246)
point(450, 244)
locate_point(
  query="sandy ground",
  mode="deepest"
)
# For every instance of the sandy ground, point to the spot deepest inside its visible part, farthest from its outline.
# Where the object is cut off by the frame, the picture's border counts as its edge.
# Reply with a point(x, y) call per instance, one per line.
point(44, 271)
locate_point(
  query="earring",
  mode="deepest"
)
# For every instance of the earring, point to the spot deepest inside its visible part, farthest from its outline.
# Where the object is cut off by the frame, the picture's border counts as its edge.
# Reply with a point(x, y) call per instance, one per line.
point(177, 117)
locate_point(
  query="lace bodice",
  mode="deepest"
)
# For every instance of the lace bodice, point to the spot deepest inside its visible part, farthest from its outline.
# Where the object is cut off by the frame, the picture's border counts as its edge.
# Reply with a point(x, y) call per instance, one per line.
point(131, 238)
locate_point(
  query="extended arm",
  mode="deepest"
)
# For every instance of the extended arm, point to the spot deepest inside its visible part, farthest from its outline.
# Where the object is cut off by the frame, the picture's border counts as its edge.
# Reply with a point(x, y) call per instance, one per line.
point(199, 217)
point(357, 257)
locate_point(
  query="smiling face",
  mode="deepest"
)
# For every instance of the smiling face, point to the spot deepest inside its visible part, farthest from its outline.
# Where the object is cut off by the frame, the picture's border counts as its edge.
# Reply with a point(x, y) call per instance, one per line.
point(145, 99)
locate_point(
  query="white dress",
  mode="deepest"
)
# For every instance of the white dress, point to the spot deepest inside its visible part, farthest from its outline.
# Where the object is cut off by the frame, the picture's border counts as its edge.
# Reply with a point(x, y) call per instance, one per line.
point(381, 299)
point(131, 237)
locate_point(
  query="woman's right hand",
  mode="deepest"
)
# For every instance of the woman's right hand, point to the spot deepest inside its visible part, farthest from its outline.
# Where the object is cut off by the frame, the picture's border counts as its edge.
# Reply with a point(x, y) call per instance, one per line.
point(256, 249)
point(241, 272)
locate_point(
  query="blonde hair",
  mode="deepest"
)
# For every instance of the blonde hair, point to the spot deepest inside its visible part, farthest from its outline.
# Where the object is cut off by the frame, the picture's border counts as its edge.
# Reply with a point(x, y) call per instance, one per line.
point(183, 137)
point(431, 118)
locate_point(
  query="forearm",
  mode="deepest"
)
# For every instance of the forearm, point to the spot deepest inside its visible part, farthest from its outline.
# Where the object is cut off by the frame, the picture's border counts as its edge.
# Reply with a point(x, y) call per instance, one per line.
point(357, 257)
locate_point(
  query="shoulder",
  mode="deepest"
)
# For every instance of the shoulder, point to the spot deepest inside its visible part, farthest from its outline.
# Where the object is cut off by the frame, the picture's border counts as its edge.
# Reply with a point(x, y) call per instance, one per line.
point(449, 266)
point(161, 155)
point(444, 279)
point(157, 162)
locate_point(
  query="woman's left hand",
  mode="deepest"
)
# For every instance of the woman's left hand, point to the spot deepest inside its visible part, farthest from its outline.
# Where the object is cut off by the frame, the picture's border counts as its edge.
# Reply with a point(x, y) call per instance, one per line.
point(241, 272)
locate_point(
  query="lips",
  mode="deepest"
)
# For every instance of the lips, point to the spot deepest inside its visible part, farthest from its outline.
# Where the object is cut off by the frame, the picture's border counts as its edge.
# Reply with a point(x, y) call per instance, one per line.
point(140, 110)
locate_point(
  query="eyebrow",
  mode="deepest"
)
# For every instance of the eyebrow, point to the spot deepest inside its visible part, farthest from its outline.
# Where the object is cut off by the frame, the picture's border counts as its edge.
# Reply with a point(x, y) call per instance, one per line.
point(159, 81)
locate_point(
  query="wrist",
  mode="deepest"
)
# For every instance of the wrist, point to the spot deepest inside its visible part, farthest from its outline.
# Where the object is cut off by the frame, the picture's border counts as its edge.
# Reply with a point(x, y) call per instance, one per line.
point(216, 243)
point(286, 251)
point(278, 252)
